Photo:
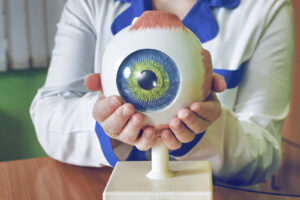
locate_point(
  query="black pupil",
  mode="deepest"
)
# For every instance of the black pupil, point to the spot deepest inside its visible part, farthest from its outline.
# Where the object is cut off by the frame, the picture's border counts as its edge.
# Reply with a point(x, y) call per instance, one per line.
point(147, 80)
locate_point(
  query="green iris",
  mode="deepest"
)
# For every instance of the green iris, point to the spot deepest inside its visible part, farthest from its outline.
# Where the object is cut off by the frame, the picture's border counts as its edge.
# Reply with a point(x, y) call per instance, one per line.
point(162, 84)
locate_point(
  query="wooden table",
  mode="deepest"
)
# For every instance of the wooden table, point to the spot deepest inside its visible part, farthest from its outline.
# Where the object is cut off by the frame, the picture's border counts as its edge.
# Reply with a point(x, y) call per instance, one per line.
point(45, 178)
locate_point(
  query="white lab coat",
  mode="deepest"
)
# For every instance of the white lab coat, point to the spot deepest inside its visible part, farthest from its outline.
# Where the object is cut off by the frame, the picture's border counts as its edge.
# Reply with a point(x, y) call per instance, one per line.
point(243, 145)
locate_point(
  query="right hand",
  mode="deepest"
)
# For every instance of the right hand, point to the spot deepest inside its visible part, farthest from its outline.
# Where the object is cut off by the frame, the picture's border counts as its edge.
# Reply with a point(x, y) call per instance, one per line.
point(119, 120)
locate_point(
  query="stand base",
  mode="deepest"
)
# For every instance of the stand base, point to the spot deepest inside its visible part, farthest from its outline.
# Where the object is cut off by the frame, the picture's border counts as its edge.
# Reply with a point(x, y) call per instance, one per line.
point(192, 181)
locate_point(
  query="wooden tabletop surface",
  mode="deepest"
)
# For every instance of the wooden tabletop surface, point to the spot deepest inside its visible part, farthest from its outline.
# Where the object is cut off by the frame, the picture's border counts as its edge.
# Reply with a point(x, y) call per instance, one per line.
point(45, 178)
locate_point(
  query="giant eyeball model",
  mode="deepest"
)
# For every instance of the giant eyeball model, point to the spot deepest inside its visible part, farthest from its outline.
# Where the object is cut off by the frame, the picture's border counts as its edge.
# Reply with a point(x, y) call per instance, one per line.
point(158, 65)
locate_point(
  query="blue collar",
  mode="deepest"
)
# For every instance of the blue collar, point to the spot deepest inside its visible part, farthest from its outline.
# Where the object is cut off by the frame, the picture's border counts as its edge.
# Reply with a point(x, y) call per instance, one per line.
point(199, 19)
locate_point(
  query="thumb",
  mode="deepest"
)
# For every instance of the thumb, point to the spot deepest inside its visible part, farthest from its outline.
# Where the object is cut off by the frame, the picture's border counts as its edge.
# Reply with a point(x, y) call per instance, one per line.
point(93, 82)
point(218, 83)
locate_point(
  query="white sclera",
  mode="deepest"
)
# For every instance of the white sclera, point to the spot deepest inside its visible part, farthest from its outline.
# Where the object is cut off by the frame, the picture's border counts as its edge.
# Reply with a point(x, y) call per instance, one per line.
point(181, 46)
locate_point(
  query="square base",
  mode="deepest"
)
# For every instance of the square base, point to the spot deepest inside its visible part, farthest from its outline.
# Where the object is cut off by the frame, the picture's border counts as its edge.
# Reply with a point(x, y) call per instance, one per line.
point(192, 181)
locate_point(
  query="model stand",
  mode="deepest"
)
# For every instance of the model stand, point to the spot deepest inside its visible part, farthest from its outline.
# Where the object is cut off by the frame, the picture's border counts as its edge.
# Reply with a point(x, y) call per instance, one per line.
point(159, 179)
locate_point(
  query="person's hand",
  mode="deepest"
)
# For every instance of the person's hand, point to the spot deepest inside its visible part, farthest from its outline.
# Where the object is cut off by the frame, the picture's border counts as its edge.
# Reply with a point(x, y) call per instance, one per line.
point(119, 120)
point(193, 120)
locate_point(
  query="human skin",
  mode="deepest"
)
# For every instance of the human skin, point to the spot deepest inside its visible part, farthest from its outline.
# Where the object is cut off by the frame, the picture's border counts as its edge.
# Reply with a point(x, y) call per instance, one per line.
point(122, 123)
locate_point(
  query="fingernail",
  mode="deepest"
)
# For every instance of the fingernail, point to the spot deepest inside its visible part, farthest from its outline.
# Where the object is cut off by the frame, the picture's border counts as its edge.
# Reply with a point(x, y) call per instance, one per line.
point(183, 114)
point(136, 121)
point(220, 77)
point(165, 136)
point(195, 107)
point(114, 101)
point(127, 112)
point(175, 123)
point(148, 134)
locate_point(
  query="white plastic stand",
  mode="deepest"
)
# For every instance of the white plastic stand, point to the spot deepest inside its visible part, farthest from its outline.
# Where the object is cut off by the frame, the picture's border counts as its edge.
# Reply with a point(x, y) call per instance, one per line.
point(160, 162)
point(177, 180)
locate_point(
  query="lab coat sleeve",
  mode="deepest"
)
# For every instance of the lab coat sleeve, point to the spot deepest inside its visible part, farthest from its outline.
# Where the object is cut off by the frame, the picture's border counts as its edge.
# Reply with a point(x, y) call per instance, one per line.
point(244, 144)
point(62, 109)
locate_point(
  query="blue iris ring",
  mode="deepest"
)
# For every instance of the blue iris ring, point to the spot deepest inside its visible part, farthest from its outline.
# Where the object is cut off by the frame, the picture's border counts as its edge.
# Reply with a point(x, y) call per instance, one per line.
point(125, 70)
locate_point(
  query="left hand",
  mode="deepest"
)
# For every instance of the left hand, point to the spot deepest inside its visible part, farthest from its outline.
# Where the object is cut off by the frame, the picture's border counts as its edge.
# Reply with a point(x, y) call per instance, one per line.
point(193, 120)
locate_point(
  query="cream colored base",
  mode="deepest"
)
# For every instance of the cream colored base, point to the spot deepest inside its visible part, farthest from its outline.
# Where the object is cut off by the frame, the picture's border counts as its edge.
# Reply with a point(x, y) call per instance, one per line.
point(192, 181)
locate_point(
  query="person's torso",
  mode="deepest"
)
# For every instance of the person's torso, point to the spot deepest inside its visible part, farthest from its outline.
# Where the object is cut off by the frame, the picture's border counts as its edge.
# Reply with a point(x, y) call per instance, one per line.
point(240, 30)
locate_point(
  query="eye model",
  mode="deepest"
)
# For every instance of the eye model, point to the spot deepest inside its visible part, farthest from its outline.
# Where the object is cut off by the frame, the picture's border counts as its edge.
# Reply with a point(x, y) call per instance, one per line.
point(158, 65)
point(148, 79)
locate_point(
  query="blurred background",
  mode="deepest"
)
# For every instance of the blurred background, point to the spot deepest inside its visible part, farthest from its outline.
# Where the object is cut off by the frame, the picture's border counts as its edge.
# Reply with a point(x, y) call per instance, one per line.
point(27, 30)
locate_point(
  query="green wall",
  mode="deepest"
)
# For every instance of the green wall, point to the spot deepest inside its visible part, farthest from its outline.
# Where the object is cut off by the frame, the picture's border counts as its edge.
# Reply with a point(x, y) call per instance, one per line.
point(17, 135)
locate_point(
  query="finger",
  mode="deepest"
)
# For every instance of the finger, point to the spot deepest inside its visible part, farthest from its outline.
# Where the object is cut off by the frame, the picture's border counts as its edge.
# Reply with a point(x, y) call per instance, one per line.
point(170, 140)
point(100, 96)
point(209, 110)
point(105, 107)
point(218, 83)
point(132, 129)
point(182, 133)
point(194, 123)
point(147, 140)
point(206, 59)
point(93, 82)
point(117, 120)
